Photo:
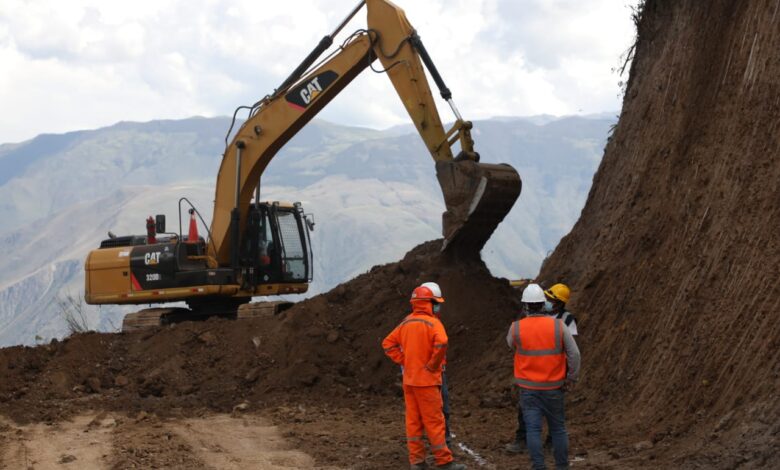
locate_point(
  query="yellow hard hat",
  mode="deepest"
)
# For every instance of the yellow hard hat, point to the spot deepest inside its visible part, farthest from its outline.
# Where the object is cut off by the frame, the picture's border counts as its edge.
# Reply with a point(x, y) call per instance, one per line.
point(559, 292)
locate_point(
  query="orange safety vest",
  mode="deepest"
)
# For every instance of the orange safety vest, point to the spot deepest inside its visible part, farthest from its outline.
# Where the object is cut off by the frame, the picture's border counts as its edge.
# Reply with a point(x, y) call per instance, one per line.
point(540, 359)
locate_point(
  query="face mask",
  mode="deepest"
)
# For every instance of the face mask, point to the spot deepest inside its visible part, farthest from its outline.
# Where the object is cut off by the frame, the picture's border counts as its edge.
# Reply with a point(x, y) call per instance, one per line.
point(436, 308)
point(548, 306)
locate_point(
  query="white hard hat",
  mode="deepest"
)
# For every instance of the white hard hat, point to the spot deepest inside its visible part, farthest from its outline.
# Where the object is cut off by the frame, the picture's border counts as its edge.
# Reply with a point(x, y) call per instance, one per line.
point(435, 289)
point(533, 294)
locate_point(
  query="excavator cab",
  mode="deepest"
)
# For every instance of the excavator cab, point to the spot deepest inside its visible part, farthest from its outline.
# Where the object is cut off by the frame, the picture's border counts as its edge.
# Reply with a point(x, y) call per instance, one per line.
point(276, 247)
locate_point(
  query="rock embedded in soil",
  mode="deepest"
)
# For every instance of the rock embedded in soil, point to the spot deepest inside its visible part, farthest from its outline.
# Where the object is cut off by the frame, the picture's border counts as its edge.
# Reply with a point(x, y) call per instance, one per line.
point(643, 445)
point(332, 337)
point(93, 385)
point(208, 338)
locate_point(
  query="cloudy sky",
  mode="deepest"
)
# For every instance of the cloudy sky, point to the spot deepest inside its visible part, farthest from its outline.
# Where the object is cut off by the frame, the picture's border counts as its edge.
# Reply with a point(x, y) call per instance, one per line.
point(81, 64)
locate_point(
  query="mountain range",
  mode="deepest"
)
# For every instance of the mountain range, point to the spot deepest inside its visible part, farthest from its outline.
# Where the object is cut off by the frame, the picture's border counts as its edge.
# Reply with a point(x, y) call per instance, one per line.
point(373, 194)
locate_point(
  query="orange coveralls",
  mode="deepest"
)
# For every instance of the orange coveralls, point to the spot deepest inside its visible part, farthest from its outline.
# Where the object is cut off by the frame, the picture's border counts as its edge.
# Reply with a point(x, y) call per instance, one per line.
point(419, 344)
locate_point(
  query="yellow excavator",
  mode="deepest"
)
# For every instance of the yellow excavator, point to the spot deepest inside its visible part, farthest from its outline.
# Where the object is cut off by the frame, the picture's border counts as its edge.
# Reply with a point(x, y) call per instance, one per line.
point(259, 248)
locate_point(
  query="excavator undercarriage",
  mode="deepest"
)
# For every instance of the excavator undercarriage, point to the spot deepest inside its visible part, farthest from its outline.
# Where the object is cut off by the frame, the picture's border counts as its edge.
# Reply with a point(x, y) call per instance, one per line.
point(152, 317)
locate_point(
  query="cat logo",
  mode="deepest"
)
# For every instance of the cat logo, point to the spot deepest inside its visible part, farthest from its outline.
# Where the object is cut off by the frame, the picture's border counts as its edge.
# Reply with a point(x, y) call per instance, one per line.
point(302, 95)
point(151, 259)
point(311, 91)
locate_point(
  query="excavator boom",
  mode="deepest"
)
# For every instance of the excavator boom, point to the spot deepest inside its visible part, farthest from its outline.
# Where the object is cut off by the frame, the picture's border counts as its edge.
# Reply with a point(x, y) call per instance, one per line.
point(477, 196)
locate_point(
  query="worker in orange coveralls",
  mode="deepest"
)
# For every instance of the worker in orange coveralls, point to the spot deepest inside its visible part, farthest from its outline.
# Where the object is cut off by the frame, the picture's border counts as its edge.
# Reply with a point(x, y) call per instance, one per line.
point(419, 345)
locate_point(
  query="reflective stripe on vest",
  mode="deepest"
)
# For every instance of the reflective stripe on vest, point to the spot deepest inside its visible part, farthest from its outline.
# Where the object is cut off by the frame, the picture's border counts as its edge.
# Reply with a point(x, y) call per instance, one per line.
point(419, 320)
point(528, 361)
point(556, 384)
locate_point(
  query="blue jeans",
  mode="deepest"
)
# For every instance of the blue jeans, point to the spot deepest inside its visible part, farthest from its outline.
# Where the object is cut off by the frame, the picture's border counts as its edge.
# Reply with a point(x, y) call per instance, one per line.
point(445, 399)
point(520, 432)
point(539, 404)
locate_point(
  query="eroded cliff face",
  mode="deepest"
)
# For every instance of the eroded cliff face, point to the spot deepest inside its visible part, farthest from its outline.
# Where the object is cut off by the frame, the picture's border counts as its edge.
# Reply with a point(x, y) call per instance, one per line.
point(674, 261)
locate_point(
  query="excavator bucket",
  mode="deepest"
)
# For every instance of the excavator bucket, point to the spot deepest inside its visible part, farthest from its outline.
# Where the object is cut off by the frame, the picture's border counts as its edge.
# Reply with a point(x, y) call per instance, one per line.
point(478, 196)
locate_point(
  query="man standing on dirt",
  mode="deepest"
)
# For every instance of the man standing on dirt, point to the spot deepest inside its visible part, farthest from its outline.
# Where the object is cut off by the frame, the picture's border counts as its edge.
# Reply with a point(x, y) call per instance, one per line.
point(547, 362)
point(419, 345)
point(557, 297)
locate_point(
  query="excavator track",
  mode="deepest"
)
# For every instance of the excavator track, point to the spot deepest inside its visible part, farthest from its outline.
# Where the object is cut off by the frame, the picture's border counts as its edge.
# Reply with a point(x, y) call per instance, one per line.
point(262, 309)
point(478, 196)
point(154, 317)
point(150, 318)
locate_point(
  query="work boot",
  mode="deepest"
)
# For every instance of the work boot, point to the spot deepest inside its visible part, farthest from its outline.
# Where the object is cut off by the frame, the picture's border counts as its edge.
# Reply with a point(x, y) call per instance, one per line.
point(452, 466)
point(517, 447)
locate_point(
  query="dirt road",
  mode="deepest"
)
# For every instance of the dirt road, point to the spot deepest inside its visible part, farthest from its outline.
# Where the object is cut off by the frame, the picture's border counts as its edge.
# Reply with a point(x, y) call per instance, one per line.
point(104, 440)
point(335, 438)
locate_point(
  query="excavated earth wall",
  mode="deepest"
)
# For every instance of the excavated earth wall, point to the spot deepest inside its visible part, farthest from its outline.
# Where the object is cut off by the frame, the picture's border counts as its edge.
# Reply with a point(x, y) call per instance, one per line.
point(675, 259)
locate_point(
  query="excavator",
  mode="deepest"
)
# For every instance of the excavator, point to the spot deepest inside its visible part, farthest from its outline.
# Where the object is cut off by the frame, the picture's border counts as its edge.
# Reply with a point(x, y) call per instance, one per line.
point(257, 248)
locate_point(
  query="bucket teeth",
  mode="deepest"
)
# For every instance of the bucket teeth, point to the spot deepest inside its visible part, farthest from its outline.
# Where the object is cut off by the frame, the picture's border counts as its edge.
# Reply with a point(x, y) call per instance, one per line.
point(478, 196)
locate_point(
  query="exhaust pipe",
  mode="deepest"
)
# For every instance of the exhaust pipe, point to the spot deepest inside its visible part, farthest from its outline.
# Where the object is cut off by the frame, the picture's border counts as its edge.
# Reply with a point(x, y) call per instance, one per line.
point(235, 218)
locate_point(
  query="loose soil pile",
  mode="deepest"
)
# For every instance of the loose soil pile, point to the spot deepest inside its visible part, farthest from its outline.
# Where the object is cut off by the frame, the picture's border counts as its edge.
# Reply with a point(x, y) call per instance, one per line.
point(328, 345)
point(313, 364)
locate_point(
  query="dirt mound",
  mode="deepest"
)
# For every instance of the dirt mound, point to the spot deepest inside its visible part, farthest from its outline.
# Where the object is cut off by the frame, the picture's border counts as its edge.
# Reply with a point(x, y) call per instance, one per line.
point(675, 258)
point(317, 369)
point(329, 344)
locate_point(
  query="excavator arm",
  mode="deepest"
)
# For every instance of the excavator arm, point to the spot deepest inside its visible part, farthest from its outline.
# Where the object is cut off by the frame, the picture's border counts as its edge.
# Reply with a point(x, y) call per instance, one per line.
point(477, 195)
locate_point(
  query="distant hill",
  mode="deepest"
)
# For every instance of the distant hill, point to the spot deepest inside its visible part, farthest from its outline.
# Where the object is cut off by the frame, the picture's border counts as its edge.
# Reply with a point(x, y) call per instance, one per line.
point(373, 193)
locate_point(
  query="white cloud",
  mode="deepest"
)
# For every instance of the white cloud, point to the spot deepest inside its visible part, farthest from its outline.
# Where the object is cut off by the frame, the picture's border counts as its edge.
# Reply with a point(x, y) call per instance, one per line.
point(89, 63)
